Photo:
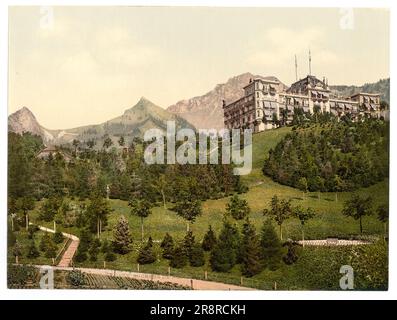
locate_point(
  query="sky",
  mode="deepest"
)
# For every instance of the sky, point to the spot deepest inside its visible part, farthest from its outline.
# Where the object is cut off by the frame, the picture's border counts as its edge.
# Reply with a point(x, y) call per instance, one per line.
point(73, 66)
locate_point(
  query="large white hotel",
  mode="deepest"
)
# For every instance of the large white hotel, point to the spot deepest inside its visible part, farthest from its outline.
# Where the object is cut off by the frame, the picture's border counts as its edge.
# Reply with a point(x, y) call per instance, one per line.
point(264, 102)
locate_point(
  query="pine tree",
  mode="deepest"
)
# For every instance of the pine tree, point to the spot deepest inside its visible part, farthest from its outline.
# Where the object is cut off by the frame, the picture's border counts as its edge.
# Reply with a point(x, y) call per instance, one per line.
point(250, 251)
point(121, 236)
point(209, 240)
point(168, 246)
point(32, 251)
point(238, 208)
point(271, 246)
point(225, 253)
point(197, 256)
point(146, 254)
point(94, 249)
point(179, 258)
point(188, 243)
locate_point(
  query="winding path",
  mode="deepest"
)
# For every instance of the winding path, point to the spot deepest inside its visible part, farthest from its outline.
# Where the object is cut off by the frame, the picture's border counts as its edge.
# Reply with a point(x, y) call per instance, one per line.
point(67, 256)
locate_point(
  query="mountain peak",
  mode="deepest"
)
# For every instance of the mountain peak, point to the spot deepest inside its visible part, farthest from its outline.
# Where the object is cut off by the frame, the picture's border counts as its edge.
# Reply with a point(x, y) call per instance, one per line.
point(24, 111)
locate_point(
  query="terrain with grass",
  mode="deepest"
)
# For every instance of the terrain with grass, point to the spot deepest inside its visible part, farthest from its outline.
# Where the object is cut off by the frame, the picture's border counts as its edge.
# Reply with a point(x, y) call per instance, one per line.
point(329, 222)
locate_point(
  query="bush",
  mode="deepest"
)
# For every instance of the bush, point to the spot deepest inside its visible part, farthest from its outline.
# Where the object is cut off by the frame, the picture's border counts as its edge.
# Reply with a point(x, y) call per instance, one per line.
point(58, 237)
point(32, 251)
point(76, 278)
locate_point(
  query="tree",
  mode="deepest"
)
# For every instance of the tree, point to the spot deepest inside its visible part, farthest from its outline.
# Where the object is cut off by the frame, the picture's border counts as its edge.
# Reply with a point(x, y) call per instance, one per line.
point(121, 141)
point(107, 142)
point(225, 253)
point(251, 251)
point(94, 249)
point(25, 204)
point(189, 209)
point(146, 254)
point(237, 208)
point(168, 246)
point(358, 207)
point(91, 143)
point(270, 245)
point(121, 236)
point(188, 243)
point(280, 210)
point(44, 242)
point(17, 251)
point(51, 250)
point(75, 143)
point(97, 213)
point(291, 257)
point(197, 256)
point(303, 216)
point(140, 208)
point(106, 249)
point(302, 185)
point(383, 216)
point(209, 240)
point(50, 208)
point(179, 258)
point(32, 251)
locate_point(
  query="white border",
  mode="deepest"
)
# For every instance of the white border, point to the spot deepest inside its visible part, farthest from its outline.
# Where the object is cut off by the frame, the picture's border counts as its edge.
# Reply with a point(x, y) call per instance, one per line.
point(191, 295)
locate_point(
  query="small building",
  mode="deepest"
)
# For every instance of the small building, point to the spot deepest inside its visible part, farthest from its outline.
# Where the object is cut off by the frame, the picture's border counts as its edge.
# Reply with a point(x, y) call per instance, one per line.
point(53, 151)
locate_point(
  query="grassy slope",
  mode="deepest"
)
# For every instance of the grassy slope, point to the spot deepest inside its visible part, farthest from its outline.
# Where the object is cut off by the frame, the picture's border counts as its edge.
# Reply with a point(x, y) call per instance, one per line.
point(329, 220)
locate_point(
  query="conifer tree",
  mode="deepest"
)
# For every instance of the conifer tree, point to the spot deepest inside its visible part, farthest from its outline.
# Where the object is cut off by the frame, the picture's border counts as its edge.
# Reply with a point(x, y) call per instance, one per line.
point(225, 253)
point(271, 246)
point(179, 258)
point(209, 240)
point(188, 243)
point(146, 254)
point(197, 256)
point(238, 208)
point(32, 251)
point(121, 236)
point(250, 251)
point(94, 249)
point(168, 246)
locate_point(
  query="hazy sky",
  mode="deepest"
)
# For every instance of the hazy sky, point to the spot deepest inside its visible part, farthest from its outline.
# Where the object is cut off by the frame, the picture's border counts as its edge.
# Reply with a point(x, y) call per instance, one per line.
point(74, 66)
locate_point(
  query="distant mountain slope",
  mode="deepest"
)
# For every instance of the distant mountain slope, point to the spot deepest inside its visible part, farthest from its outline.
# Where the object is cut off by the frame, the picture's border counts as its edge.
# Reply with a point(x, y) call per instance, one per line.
point(206, 111)
point(24, 120)
point(134, 122)
point(382, 87)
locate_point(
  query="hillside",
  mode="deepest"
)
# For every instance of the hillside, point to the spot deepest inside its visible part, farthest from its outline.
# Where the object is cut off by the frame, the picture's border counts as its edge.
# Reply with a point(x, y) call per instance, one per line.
point(206, 111)
point(382, 87)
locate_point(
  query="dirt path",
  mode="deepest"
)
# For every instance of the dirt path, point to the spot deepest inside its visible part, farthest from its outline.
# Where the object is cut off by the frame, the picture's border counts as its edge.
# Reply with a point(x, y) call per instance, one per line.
point(195, 284)
point(70, 250)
